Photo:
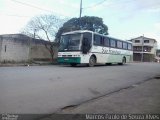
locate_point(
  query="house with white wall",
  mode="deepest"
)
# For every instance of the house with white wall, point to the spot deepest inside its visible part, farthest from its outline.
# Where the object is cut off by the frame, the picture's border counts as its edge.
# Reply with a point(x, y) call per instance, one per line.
point(144, 49)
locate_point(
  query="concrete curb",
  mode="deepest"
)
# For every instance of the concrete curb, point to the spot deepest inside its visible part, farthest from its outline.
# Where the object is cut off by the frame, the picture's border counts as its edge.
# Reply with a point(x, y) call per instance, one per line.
point(28, 64)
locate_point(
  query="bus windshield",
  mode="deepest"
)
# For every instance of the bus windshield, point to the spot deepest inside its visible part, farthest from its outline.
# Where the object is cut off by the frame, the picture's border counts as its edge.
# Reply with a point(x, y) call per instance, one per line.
point(70, 42)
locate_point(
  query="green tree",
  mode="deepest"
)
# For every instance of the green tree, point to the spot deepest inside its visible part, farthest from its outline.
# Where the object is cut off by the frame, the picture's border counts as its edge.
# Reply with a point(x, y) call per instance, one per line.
point(91, 23)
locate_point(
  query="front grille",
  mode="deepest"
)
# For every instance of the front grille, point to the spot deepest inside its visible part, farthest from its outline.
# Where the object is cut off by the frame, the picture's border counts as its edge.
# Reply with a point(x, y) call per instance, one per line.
point(66, 55)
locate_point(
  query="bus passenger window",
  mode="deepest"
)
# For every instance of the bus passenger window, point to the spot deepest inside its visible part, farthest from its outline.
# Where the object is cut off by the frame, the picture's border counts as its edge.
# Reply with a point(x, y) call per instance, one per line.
point(129, 46)
point(97, 40)
point(119, 44)
point(124, 45)
point(106, 41)
point(113, 43)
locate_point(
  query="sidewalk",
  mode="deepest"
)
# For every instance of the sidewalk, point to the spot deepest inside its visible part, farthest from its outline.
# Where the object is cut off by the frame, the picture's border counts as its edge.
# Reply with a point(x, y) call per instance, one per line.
point(138, 99)
point(34, 63)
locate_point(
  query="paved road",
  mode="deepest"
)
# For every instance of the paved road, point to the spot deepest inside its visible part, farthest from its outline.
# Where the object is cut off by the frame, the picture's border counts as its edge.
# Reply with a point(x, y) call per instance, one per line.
point(45, 89)
point(143, 98)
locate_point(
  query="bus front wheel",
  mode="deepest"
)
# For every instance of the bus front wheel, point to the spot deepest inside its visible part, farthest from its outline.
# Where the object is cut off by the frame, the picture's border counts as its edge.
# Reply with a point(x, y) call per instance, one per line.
point(92, 61)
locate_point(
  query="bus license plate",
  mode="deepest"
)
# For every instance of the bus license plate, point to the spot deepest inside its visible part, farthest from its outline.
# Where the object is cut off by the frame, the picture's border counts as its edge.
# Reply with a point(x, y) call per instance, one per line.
point(66, 59)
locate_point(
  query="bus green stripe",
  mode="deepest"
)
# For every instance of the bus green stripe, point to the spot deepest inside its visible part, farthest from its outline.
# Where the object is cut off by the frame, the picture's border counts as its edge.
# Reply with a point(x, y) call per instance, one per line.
point(69, 59)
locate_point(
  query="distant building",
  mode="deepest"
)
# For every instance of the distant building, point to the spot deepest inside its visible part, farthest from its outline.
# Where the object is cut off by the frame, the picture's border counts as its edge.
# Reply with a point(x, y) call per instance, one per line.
point(158, 56)
point(21, 48)
point(144, 49)
point(158, 53)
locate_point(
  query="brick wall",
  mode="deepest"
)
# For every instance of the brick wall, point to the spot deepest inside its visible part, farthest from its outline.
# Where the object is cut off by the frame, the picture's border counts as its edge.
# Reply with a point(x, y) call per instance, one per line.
point(14, 50)
point(21, 48)
point(40, 52)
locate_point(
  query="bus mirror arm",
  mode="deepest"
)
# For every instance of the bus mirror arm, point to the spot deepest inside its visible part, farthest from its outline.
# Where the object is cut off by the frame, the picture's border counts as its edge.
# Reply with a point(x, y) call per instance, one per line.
point(84, 49)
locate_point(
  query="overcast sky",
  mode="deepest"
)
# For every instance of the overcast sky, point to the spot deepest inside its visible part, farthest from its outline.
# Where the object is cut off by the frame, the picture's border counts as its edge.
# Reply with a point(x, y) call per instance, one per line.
point(125, 19)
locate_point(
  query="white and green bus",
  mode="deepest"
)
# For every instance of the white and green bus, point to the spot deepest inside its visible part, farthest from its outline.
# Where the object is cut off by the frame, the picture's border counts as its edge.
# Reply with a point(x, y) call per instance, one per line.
point(91, 48)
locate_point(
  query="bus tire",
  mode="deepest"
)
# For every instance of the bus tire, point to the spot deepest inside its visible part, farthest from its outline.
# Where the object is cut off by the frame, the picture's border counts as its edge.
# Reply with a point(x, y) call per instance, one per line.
point(92, 61)
point(123, 61)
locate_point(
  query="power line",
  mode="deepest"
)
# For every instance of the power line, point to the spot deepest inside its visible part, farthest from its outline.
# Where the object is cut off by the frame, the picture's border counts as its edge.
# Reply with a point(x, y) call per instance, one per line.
point(99, 3)
point(33, 6)
point(36, 7)
point(13, 15)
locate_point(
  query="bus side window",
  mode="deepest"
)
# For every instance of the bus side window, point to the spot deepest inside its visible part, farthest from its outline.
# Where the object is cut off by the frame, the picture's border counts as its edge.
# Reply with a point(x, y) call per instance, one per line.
point(129, 46)
point(112, 43)
point(124, 45)
point(106, 41)
point(119, 44)
point(98, 40)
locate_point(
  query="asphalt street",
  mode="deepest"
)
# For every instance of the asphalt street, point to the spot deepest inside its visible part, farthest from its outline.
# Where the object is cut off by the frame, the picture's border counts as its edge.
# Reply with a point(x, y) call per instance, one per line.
point(46, 89)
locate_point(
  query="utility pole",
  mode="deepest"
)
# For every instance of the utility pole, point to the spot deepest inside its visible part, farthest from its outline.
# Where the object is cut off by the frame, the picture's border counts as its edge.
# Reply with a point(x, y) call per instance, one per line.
point(142, 48)
point(34, 35)
point(80, 9)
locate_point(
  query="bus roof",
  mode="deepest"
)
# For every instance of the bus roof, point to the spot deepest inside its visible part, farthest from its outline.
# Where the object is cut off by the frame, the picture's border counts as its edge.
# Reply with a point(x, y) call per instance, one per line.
point(83, 31)
point(77, 31)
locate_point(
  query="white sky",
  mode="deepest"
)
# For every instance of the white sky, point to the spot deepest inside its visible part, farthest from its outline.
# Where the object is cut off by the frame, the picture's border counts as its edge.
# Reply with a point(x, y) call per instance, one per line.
point(125, 19)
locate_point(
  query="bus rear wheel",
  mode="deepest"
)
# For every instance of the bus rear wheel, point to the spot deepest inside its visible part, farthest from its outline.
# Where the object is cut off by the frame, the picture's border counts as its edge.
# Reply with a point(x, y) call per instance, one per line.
point(92, 61)
point(123, 61)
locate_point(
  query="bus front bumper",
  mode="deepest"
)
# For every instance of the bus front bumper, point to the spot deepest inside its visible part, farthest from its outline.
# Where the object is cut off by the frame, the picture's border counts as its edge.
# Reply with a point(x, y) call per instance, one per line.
point(69, 60)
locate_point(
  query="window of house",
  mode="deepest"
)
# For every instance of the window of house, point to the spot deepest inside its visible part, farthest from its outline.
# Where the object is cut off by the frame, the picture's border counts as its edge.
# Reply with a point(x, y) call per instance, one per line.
point(139, 48)
point(147, 49)
point(119, 44)
point(124, 45)
point(112, 43)
point(137, 41)
point(134, 48)
point(146, 41)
